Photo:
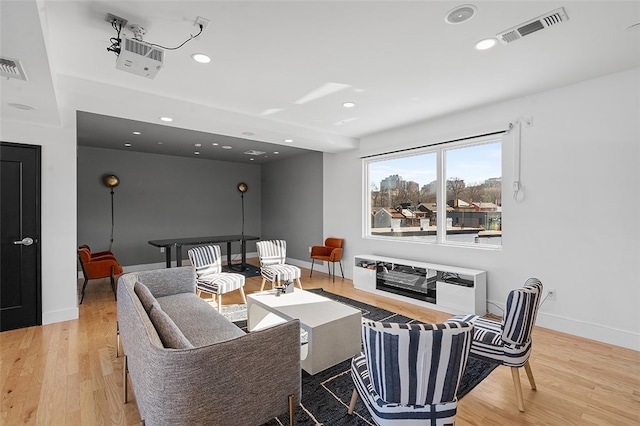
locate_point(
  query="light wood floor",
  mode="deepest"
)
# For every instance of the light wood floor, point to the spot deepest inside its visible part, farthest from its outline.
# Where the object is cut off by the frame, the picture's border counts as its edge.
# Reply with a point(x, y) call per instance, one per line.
point(67, 373)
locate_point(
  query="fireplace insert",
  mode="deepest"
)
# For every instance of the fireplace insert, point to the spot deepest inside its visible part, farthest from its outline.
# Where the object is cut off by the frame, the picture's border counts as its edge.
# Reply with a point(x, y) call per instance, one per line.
point(417, 283)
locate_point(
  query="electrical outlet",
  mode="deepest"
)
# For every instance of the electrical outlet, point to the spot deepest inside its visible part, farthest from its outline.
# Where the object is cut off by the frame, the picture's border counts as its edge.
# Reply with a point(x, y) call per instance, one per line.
point(201, 21)
point(552, 294)
point(161, 249)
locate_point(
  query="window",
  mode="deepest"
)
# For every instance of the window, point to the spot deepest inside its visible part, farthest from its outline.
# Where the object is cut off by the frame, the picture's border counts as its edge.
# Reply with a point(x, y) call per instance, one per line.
point(460, 182)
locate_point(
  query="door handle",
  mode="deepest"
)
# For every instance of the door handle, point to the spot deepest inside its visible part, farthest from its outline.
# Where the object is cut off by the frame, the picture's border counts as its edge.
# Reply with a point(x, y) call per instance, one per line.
point(26, 241)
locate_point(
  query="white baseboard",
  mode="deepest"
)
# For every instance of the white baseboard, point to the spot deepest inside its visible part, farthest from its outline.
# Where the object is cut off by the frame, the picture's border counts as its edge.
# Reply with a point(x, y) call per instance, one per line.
point(586, 329)
point(59, 316)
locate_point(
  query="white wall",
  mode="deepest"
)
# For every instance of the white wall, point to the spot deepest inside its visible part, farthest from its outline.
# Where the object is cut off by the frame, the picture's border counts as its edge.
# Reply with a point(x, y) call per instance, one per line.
point(58, 238)
point(578, 227)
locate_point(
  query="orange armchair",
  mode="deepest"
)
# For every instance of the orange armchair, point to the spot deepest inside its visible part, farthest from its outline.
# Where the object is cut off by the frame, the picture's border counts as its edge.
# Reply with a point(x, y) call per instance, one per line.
point(330, 252)
point(99, 267)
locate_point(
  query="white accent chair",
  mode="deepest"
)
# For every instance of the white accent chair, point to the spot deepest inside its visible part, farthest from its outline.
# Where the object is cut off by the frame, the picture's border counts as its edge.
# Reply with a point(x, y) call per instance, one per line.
point(272, 255)
point(209, 276)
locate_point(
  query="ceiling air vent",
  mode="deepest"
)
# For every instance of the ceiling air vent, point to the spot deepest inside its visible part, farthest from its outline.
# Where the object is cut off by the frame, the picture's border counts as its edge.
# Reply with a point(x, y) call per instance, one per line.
point(12, 68)
point(254, 152)
point(545, 21)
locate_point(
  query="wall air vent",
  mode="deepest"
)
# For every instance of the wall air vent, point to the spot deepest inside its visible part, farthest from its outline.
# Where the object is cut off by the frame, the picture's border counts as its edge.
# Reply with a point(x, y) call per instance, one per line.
point(545, 21)
point(140, 58)
point(12, 68)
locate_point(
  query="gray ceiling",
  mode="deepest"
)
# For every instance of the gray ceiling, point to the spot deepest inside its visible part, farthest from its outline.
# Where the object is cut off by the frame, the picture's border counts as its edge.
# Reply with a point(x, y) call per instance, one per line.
point(103, 131)
point(282, 69)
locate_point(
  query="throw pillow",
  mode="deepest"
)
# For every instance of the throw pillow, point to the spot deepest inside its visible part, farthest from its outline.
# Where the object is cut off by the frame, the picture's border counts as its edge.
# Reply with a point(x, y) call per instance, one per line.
point(145, 296)
point(167, 330)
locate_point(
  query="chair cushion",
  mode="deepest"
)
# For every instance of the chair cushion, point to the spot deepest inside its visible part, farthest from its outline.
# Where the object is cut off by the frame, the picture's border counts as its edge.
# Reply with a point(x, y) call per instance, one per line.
point(167, 330)
point(220, 283)
point(275, 273)
point(145, 296)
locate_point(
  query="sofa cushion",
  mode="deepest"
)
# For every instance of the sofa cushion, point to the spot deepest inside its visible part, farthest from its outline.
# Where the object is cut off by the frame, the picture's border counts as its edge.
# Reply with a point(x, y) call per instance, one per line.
point(145, 296)
point(200, 322)
point(167, 330)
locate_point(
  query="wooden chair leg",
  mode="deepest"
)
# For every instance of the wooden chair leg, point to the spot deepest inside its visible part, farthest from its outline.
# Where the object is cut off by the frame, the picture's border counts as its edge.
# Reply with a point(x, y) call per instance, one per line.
point(117, 340)
point(264, 280)
point(219, 297)
point(244, 298)
point(515, 373)
point(354, 399)
point(291, 409)
point(532, 382)
point(125, 369)
point(299, 283)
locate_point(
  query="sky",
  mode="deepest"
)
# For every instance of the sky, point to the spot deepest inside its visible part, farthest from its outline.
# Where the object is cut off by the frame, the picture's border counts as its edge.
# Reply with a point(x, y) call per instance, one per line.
point(473, 164)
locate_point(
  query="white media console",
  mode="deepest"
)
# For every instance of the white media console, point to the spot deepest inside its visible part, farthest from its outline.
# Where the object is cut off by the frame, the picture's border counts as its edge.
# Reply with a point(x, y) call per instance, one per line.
point(442, 287)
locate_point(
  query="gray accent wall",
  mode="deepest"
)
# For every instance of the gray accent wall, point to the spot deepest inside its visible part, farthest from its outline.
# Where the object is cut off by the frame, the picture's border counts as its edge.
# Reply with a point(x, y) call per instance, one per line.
point(292, 200)
point(161, 197)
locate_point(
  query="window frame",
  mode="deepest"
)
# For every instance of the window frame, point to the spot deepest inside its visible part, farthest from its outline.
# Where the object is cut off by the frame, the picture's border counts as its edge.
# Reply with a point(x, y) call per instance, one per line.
point(441, 193)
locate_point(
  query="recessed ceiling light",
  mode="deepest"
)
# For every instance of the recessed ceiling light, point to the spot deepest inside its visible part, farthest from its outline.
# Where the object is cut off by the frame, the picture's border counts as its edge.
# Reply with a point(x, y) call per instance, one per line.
point(251, 159)
point(21, 106)
point(201, 58)
point(127, 145)
point(276, 152)
point(349, 104)
point(225, 147)
point(137, 133)
point(215, 144)
point(197, 145)
point(196, 152)
point(460, 14)
point(160, 143)
point(167, 119)
point(485, 44)
point(288, 140)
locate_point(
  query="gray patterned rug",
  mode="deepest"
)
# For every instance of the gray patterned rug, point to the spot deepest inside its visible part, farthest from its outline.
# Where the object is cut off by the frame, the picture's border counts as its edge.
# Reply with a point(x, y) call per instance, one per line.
point(326, 395)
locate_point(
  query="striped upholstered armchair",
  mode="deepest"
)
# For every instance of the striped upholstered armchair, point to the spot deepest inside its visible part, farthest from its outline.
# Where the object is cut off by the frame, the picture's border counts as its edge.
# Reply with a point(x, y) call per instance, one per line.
point(272, 255)
point(409, 374)
point(206, 261)
point(509, 342)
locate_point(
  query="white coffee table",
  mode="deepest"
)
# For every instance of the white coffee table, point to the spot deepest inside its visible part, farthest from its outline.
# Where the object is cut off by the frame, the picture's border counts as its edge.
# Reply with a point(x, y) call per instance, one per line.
point(333, 328)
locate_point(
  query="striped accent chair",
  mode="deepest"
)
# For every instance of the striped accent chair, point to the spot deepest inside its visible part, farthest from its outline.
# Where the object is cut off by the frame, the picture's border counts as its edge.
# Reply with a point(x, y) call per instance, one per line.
point(272, 255)
point(409, 374)
point(209, 276)
point(509, 342)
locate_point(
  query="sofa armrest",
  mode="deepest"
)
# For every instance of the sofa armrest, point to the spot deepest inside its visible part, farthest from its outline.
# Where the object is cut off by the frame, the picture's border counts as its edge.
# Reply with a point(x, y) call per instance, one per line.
point(244, 381)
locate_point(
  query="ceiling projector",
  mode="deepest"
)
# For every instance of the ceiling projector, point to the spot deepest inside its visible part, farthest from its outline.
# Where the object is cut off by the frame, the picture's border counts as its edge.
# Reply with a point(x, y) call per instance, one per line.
point(140, 58)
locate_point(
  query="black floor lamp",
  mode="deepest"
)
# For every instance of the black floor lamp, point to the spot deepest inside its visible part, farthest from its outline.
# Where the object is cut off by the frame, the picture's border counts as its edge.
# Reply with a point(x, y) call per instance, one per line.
point(242, 187)
point(111, 181)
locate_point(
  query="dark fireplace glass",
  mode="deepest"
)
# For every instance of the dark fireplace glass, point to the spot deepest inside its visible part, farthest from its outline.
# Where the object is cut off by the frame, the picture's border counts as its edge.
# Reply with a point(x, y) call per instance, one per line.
point(418, 283)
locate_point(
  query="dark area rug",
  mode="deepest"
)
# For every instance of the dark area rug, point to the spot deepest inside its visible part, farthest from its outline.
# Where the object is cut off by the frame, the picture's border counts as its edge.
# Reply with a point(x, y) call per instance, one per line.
point(249, 270)
point(326, 395)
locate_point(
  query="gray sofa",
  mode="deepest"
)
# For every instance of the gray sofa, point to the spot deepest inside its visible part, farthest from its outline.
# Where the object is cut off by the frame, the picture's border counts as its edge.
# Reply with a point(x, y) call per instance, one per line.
point(220, 375)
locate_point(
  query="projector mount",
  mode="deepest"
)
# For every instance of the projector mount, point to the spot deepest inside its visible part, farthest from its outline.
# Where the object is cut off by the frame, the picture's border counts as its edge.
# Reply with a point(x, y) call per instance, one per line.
point(138, 31)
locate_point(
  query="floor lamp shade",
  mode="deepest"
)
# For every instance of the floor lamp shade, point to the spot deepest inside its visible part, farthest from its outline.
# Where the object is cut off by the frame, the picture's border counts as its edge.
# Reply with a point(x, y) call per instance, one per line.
point(111, 181)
